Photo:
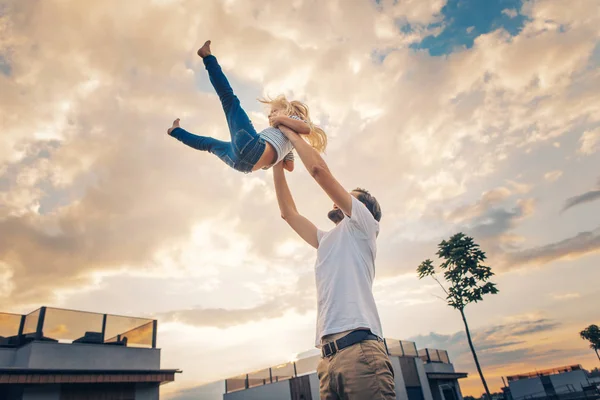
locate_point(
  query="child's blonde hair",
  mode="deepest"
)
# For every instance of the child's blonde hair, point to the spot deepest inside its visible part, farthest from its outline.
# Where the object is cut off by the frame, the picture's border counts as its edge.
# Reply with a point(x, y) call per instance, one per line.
point(317, 137)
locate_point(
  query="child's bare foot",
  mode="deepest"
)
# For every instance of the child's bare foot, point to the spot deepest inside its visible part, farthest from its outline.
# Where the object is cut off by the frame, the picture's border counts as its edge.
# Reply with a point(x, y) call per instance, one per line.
point(175, 125)
point(205, 49)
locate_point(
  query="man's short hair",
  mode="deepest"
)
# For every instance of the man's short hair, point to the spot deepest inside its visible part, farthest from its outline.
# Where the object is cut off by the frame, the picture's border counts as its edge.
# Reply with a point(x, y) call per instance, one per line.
point(370, 202)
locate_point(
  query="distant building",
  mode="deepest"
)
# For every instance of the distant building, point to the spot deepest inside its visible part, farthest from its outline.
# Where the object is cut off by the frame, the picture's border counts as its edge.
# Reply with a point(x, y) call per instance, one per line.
point(58, 354)
point(426, 374)
point(594, 378)
point(567, 382)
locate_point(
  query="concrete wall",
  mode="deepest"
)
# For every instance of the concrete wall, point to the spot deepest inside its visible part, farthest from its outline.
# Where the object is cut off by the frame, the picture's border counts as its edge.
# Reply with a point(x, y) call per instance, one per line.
point(400, 386)
point(423, 379)
point(144, 391)
point(22, 355)
point(85, 356)
point(7, 357)
point(147, 391)
point(534, 386)
point(527, 387)
point(573, 378)
point(42, 392)
point(439, 367)
point(208, 391)
point(273, 391)
point(314, 386)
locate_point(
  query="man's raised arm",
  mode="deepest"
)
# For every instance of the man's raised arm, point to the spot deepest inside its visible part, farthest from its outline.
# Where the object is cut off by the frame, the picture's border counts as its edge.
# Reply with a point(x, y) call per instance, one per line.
point(318, 169)
point(303, 227)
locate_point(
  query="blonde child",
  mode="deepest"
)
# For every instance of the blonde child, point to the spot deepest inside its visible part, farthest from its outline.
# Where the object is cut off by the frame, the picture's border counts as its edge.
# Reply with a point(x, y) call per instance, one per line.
point(250, 150)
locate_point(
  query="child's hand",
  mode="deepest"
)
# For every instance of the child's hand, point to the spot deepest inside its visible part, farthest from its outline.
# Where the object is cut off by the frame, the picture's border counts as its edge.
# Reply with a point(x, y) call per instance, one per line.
point(275, 120)
point(298, 126)
point(288, 165)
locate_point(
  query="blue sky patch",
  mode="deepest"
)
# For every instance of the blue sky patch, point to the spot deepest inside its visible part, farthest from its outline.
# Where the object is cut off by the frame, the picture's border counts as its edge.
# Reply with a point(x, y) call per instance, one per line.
point(594, 60)
point(5, 66)
point(464, 20)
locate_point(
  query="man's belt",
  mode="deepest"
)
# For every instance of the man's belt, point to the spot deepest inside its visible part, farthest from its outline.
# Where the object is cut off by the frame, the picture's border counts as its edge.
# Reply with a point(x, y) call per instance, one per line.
point(350, 339)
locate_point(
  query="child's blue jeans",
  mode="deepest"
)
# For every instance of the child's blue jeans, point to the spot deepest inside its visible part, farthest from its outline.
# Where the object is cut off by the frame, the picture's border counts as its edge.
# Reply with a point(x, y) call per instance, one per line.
point(246, 146)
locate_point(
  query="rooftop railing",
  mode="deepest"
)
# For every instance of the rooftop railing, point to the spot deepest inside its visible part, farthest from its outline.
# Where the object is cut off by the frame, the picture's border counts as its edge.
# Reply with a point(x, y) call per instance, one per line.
point(434, 356)
point(401, 348)
point(70, 326)
point(544, 372)
point(278, 373)
point(304, 366)
point(9, 325)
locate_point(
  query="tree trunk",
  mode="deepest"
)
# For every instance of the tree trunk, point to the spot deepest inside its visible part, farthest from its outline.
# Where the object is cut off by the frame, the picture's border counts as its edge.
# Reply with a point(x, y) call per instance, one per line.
point(485, 386)
point(597, 355)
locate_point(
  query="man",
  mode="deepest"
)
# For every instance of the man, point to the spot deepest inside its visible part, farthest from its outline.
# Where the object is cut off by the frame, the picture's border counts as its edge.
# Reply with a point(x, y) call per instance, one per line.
point(355, 364)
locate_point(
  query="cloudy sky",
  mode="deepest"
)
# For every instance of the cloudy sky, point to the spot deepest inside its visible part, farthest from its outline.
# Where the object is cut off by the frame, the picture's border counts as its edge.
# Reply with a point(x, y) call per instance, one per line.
point(458, 115)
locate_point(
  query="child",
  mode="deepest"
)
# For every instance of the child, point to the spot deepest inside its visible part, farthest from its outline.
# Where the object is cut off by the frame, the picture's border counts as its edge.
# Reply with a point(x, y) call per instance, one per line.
point(248, 150)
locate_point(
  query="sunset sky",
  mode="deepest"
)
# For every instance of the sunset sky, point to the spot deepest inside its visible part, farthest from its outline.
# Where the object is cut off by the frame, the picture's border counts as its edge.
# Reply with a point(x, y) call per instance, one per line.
point(458, 115)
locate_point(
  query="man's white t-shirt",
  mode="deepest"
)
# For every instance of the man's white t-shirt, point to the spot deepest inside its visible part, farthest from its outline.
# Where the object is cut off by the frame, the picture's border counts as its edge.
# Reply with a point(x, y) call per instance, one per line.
point(344, 274)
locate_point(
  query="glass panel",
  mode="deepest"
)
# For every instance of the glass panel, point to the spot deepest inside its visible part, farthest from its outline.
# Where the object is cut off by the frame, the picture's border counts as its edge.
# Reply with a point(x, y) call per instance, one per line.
point(433, 355)
point(9, 325)
point(68, 326)
point(394, 347)
point(423, 355)
point(236, 383)
point(138, 331)
point(139, 337)
point(307, 365)
point(31, 321)
point(283, 371)
point(444, 356)
point(410, 348)
point(259, 378)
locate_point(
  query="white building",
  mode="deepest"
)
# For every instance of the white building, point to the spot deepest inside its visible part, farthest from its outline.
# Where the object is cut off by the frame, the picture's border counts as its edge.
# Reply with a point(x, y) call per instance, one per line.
point(53, 354)
point(419, 375)
point(555, 382)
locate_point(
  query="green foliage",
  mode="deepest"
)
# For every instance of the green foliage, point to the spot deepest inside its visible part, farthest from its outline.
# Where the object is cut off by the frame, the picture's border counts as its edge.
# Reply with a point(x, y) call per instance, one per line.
point(463, 269)
point(592, 334)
